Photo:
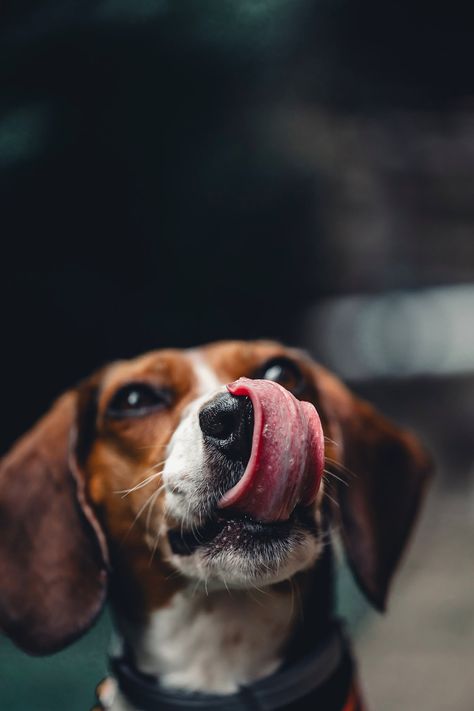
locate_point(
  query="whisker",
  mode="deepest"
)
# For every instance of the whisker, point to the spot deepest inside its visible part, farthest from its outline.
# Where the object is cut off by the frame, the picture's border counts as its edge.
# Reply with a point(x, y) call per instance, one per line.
point(267, 567)
point(328, 496)
point(144, 482)
point(140, 485)
point(195, 588)
point(329, 486)
point(140, 511)
point(158, 536)
point(342, 467)
point(194, 531)
point(261, 592)
point(332, 441)
point(152, 500)
point(334, 476)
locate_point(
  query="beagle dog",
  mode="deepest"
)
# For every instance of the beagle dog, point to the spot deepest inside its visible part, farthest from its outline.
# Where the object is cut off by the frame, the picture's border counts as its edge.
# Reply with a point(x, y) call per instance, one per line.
point(196, 491)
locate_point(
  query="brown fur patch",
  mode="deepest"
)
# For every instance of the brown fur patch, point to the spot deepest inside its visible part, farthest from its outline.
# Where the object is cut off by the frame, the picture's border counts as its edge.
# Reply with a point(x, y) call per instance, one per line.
point(234, 359)
point(124, 453)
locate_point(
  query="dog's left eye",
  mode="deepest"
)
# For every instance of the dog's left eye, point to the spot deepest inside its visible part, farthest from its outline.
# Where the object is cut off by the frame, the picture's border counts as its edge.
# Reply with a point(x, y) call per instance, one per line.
point(285, 372)
point(135, 400)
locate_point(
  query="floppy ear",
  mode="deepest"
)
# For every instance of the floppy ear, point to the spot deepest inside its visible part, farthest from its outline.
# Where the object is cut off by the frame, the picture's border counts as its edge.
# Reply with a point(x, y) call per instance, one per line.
point(53, 557)
point(386, 475)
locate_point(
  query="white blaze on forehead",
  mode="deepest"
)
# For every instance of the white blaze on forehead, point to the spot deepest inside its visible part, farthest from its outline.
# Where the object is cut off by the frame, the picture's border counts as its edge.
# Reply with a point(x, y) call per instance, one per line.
point(207, 380)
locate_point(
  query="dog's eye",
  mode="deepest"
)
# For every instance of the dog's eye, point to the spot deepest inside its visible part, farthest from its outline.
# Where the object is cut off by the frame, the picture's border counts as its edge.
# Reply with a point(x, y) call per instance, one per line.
point(285, 372)
point(135, 400)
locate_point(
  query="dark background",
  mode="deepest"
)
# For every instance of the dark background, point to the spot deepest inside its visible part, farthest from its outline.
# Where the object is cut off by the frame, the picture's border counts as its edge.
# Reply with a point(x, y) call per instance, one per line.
point(177, 172)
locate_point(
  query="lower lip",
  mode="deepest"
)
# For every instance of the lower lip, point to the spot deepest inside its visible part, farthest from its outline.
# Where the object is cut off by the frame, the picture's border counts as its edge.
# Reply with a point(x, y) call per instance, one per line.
point(235, 532)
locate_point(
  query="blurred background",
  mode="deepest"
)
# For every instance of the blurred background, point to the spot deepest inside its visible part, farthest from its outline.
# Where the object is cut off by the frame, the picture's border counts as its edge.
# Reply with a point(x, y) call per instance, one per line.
point(177, 172)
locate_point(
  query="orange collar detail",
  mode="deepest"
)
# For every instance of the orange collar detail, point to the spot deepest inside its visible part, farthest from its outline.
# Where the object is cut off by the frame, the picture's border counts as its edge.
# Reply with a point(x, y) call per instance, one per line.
point(353, 702)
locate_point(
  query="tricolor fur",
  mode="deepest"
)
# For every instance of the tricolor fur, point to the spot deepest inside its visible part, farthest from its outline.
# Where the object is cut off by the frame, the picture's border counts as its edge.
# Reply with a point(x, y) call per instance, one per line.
point(88, 500)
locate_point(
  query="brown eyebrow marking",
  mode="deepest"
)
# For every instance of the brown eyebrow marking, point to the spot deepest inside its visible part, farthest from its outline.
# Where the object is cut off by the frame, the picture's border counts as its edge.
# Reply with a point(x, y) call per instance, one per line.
point(233, 359)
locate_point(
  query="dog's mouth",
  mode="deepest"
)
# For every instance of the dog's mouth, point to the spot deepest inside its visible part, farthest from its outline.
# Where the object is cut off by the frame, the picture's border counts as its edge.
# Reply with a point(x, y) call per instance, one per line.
point(233, 530)
point(279, 480)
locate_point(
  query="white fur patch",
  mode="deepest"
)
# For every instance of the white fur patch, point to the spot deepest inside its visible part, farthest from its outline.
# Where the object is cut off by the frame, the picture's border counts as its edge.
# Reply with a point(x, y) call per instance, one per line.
point(205, 375)
point(216, 643)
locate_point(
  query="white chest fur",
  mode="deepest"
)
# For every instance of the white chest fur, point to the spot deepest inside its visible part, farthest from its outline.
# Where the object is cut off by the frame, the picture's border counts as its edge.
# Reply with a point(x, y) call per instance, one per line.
point(214, 642)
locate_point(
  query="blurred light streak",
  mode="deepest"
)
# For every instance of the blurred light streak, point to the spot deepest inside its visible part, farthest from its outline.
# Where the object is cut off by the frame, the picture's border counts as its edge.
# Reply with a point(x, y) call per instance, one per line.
point(395, 334)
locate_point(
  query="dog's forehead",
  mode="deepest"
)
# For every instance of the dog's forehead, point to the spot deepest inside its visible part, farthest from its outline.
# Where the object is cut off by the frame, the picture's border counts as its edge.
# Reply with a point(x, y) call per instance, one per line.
point(202, 369)
point(230, 360)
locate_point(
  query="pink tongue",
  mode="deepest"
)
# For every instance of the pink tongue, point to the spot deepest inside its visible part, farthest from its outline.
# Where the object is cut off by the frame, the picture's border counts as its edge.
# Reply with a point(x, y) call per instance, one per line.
point(287, 459)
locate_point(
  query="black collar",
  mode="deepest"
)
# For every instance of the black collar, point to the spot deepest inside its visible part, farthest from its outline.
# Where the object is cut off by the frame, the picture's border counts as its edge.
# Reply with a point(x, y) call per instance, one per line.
point(321, 679)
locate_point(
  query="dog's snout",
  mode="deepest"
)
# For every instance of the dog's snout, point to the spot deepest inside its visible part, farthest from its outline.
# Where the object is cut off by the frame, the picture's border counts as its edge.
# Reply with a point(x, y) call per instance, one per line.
point(227, 423)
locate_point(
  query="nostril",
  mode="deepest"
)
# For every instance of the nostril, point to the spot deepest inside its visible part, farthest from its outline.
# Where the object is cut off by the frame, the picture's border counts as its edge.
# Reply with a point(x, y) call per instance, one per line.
point(220, 417)
point(217, 423)
point(228, 423)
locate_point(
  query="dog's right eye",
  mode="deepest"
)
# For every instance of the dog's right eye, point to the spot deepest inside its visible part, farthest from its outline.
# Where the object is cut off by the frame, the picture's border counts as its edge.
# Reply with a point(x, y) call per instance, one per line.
point(136, 400)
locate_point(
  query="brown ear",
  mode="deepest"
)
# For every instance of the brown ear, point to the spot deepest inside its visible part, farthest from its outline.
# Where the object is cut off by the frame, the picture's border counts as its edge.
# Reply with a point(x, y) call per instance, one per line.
point(52, 551)
point(385, 476)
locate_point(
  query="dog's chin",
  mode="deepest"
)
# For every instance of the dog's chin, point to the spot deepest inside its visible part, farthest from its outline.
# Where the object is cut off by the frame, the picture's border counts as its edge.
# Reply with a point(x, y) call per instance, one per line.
point(238, 552)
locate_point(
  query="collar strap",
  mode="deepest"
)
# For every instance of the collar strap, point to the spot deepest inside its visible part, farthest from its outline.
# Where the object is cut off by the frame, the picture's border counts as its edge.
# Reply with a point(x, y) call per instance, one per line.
point(325, 674)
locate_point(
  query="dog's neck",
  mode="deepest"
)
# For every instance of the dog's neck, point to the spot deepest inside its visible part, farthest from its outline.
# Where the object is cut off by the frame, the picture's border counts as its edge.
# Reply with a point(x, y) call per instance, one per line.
point(214, 642)
point(217, 641)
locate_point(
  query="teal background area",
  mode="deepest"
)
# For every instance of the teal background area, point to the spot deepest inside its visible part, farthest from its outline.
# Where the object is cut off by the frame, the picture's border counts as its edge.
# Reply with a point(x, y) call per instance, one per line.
point(62, 682)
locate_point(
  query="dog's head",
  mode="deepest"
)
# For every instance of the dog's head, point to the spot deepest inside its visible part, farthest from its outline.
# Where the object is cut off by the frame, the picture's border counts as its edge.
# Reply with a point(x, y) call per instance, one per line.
point(154, 473)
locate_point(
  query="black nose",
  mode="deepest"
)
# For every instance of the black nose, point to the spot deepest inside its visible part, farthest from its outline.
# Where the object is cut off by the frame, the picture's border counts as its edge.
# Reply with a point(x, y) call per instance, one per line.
point(227, 424)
